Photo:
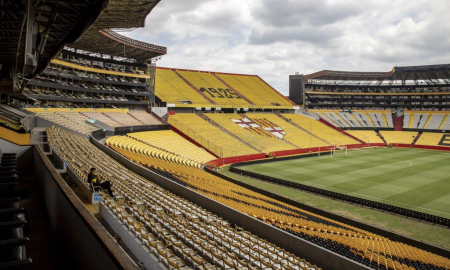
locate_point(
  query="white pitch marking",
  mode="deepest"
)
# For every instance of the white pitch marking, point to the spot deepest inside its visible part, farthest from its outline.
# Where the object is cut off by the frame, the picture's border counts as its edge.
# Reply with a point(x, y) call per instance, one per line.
point(409, 164)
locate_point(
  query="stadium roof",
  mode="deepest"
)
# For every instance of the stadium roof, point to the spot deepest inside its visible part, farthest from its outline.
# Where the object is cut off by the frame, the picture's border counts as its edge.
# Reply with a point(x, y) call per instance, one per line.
point(123, 15)
point(430, 74)
point(33, 32)
point(111, 43)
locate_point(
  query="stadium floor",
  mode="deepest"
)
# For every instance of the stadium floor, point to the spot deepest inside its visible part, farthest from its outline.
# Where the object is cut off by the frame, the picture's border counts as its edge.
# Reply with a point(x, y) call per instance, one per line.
point(409, 178)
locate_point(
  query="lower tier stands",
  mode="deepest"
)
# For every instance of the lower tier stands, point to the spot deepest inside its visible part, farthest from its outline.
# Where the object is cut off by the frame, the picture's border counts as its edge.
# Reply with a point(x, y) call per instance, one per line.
point(274, 123)
point(210, 136)
point(70, 120)
point(434, 139)
point(179, 233)
point(170, 142)
point(144, 117)
point(150, 151)
point(370, 249)
point(367, 136)
point(322, 131)
point(123, 118)
point(250, 133)
point(398, 137)
point(102, 118)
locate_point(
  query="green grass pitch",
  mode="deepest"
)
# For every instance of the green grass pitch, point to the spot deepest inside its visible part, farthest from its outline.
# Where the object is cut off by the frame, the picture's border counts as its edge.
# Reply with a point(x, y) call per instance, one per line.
point(409, 178)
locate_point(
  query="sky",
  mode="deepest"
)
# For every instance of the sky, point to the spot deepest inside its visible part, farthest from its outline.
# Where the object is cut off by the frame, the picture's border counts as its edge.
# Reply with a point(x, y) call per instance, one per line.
point(277, 38)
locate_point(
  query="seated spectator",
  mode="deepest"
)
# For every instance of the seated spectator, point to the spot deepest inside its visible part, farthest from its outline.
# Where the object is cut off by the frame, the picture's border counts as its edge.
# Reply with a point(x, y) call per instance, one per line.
point(94, 178)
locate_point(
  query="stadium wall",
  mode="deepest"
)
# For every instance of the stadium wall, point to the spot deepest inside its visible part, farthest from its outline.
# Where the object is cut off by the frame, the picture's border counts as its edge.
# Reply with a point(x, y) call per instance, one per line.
point(229, 160)
point(79, 231)
point(24, 155)
point(428, 147)
point(311, 252)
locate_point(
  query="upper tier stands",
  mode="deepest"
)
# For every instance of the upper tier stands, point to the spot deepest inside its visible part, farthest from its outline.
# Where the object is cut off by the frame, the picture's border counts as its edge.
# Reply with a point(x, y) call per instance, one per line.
point(378, 120)
point(172, 142)
point(213, 88)
point(209, 136)
point(255, 89)
point(367, 136)
point(207, 88)
point(170, 88)
point(434, 139)
point(346, 240)
point(178, 232)
point(435, 121)
point(261, 141)
point(321, 130)
point(357, 119)
point(411, 120)
point(402, 137)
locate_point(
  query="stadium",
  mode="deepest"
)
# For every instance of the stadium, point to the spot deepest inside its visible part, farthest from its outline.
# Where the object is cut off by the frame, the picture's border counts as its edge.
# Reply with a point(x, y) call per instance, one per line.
point(202, 169)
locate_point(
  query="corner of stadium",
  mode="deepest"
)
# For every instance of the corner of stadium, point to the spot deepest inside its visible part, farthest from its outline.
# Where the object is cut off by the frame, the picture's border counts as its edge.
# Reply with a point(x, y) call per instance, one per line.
point(199, 169)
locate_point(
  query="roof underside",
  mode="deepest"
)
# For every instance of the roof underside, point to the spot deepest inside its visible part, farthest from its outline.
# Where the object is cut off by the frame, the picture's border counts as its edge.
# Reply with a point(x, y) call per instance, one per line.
point(431, 74)
point(124, 15)
point(56, 23)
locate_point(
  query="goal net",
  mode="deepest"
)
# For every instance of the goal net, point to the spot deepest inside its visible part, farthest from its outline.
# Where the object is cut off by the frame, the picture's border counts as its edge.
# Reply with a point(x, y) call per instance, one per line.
point(343, 150)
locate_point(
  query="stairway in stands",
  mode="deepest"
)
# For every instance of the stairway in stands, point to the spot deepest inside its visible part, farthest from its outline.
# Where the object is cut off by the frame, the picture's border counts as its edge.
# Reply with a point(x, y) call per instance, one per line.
point(381, 136)
point(416, 138)
point(226, 131)
point(297, 126)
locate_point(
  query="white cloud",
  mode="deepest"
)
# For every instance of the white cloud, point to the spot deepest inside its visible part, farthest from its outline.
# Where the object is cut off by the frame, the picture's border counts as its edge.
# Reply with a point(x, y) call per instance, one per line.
point(276, 38)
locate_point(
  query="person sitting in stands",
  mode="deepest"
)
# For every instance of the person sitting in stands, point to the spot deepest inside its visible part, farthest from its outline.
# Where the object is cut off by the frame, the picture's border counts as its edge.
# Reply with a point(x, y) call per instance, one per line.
point(94, 178)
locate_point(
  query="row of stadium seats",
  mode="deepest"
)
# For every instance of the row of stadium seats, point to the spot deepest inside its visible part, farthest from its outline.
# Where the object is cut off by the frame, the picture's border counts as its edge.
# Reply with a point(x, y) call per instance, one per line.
point(209, 136)
point(173, 143)
point(434, 139)
point(346, 240)
point(121, 119)
point(326, 133)
point(358, 119)
point(265, 144)
point(144, 117)
point(149, 150)
point(78, 121)
point(70, 120)
point(179, 233)
point(172, 86)
point(395, 137)
point(427, 121)
point(367, 136)
point(293, 134)
point(255, 89)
